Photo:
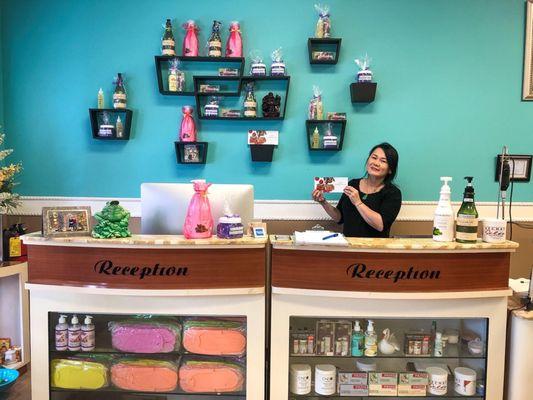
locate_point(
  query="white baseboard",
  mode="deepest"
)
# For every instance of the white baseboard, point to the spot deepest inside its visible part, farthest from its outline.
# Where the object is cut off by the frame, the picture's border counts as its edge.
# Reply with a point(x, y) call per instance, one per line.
point(294, 210)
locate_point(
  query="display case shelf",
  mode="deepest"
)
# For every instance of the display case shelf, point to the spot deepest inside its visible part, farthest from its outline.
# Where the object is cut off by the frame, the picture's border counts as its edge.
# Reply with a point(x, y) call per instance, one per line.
point(337, 397)
point(320, 45)
point(183, 395)
point(191, 152)
point(338, 128)
point(97, 120)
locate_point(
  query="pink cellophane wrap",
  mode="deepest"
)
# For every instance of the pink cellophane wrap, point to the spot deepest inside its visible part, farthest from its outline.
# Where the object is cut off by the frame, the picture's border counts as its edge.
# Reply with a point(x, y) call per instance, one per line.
point(190, 42)
point(138, 338)
point(234, 44)
point(199, 220)
point(188, 127)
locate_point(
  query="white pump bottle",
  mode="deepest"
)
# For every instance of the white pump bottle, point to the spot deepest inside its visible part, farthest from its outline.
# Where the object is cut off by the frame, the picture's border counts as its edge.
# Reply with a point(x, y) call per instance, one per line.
point(443, 223)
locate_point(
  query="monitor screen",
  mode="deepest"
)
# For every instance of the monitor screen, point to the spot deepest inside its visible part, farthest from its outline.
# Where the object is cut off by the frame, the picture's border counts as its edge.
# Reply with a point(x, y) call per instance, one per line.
point(164, 205)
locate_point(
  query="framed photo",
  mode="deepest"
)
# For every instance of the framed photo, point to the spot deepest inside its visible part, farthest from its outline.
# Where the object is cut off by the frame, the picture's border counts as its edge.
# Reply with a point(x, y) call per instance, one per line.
point(527, 83)
point(259, 232)
point(520, 166)
point(191, 152)
point(66, 221)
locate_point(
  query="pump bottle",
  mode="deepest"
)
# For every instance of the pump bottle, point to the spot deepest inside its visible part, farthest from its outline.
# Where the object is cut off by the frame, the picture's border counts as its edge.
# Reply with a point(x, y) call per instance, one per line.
point(61, 334)
point(74, 331)
point(87, 334)
point(371, 340)
point(467, 217)
point(444, 216)
point(357, 341)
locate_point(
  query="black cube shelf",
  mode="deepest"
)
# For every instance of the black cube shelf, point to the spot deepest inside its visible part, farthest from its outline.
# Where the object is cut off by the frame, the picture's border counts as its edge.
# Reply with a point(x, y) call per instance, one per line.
point(262, 152)
point(363, 92)
point(191, 152)
point(339, 127)
point(96, 116)
point(321, 45)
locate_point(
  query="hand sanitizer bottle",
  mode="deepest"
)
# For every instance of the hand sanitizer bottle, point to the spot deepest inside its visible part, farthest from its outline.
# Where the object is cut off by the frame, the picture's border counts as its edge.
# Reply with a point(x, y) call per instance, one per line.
point(371, 340)
point(87, 334)
point(444, 218)
point(74, 331)
point(357, 341)
point(62, 334)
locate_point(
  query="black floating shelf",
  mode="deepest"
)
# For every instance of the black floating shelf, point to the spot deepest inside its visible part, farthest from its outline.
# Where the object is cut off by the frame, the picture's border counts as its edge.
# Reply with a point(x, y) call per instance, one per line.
point(262, 152)
point(242, 118)
point(332, 45)
point(191, 152)
point(339, 127)
point(96, 117)
point(159, 60)
point(363, 92)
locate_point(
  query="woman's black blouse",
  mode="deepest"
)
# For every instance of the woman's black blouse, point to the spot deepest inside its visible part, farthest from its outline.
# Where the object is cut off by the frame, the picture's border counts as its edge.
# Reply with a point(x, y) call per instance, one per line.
point(386, 202)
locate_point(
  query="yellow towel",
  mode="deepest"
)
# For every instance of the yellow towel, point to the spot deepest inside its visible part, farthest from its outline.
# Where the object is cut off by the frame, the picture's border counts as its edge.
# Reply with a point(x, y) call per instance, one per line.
point(73, 374)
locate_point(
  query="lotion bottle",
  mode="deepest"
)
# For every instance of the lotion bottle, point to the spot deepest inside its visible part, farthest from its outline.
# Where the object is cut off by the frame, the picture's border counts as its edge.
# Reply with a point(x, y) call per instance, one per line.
point(371, 340)
point(357, 341)
point(61, 334)
point(443, 223)
point(74, 333)
point(87, 334)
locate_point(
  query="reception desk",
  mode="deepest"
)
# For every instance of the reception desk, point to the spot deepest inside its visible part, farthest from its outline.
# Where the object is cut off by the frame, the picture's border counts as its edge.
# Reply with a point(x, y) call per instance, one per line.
point(165, 276)
point(405, 285)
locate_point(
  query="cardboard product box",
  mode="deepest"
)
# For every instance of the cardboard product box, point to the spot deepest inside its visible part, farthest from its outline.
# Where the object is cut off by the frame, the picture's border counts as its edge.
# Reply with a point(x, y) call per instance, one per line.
point(413, 378)
point(352, 378)
point(383, 378)
point(343, 330)
point(382, 390)
point(412, 390)
point(325, 336)
point(353, 390)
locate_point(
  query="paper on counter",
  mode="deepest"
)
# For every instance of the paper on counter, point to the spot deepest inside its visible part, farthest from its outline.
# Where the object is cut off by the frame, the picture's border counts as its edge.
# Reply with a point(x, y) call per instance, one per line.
point(316, 238)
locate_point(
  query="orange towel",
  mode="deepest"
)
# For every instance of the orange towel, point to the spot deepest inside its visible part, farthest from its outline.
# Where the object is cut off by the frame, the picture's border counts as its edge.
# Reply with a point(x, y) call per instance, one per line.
point(214, 341)
point(145, 376)
point(210, 377)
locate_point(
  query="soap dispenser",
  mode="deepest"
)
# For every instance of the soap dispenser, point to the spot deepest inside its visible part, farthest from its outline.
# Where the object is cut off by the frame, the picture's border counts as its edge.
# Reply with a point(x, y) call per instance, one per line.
point(371, 340)
point(467, 217)
point(74, 335)
point(61, 334)
point(357, 340)
point(87, 334)
point(444, 217)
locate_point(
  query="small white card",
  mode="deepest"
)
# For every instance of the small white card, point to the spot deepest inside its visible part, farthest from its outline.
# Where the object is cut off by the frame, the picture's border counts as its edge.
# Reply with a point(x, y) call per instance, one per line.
point(263, 137)
point(331, 184)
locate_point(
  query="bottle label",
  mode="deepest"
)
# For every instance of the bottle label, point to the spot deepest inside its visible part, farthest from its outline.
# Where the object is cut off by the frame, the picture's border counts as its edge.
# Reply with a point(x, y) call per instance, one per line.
point(74, 340)
point(215, 48)
point(15, 247)
point(468, 200)
point(467, 220)
point(61, 339)
point(466, 236)
point(87, 340)
point(119, 100)
point(250, 104)
point(172, 83)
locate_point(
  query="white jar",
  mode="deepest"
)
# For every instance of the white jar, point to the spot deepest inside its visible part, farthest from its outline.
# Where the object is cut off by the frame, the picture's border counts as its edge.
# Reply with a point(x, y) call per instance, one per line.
point(325, 375)
point(438, 380)
point(465, 381)
point(300, 379)
point(494, 230)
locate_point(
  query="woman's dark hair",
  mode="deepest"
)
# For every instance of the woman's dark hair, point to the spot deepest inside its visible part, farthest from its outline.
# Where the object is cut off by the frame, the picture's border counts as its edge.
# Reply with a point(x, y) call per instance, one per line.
point(392, 159)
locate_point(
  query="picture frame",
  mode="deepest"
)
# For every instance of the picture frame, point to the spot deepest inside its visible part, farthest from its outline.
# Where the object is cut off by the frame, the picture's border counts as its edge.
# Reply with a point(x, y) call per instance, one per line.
point(519, 163)
point(66, 221)
point(191, 152)
point(259, 232)
point(527, 82)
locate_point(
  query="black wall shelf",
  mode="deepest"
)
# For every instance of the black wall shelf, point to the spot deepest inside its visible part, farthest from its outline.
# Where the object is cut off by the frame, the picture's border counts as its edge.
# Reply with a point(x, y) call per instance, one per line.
point(97, 120)
point(338, 127)
point(262, 152)
point(324, 45)
point(159, 67)
point(363, 92)
point(191, 152)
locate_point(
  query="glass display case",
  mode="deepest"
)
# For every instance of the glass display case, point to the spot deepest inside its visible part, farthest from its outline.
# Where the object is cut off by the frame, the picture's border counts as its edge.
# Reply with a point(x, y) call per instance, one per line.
point(121, 356)
point(358, 358)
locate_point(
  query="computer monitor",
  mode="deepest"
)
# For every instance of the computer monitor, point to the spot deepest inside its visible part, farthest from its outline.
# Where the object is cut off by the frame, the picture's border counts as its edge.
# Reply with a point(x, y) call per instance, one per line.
point(164, 205)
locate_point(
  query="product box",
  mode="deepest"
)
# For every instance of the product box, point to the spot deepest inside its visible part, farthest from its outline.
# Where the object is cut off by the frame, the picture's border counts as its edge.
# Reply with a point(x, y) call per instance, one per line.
point(413, 378)
point(352, 378)
point(228, 72)
point(325, 335)
point(343, 330)
point(382, 390)
point(353, 390)
point(417, 344)
point(209, 88)
point(383, 378)
point(412, 390)
point(336, 116)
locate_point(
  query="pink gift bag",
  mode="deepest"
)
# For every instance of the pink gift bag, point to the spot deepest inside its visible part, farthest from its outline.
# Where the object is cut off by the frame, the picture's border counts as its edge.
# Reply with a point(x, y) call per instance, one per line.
point(199, 220)
point(234, 44)
point(188, 127)
point(190, 42)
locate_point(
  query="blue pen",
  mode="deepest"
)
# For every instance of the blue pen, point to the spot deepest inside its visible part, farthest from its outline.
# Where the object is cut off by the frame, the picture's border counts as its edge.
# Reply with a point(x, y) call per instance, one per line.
point(330, 236)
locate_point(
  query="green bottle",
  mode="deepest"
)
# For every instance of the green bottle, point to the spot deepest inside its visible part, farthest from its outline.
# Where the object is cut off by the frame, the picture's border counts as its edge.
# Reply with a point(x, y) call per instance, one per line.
point(467, 217)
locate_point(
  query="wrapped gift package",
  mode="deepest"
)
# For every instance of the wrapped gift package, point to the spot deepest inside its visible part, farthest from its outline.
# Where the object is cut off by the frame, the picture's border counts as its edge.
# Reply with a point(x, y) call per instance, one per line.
point(197, 376)
point(145, 337)
point(214, 337)
point(78, 374)
point(145, 375)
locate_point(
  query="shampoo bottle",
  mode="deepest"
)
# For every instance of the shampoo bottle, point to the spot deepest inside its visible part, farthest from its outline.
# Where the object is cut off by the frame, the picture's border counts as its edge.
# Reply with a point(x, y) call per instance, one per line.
point(371, 340)
point(62, 334)
point(74, 333)
point(357, 341)
point(87, 334)
point(444, 217)
point(467, 217)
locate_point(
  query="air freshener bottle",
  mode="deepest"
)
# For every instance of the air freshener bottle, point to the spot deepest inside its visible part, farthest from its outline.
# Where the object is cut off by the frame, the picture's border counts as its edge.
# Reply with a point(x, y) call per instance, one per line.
point(357, 341)
point(119, 96)
point(467, 217)
point(168, 43)
point(371, 340)
point(74, 335)
point(87, 335)
point(250, 104)
point(215, 42)
point(61, 334)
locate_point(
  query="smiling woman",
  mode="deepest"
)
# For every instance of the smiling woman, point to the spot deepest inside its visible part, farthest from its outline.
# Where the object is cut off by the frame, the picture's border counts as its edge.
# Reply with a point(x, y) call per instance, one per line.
point(369, 205)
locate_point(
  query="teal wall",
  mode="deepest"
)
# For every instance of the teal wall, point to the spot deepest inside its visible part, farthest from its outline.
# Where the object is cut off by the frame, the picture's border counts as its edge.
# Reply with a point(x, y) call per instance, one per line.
point(449, 76)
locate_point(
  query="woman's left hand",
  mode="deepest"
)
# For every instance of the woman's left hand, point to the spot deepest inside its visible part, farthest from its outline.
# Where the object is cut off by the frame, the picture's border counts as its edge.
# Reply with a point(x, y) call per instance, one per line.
point(353, 195)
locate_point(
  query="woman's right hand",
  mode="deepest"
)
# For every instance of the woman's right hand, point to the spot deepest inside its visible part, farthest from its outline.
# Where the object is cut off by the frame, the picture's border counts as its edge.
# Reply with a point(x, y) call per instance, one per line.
point(318, 196)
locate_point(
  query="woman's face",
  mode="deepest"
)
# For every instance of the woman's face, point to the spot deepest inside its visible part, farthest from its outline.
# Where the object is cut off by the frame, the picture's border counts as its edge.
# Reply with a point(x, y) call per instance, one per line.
point(376, 165)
